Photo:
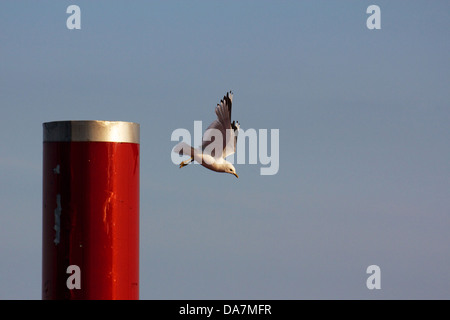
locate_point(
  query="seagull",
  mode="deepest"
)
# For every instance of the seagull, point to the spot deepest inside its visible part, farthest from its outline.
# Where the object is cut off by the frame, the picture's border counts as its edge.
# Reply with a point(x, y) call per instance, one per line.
point(218, 141)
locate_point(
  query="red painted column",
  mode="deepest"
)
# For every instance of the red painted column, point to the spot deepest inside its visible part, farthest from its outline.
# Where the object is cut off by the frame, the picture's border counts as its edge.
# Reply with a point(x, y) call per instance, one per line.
point(90, 210)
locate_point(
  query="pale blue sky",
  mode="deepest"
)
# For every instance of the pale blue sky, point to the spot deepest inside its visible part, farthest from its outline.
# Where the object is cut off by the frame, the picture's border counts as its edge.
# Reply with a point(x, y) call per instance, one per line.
point(364, 141)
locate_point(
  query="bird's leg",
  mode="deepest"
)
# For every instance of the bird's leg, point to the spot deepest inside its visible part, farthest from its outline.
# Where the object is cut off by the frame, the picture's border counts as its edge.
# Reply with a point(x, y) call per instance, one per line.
point(186, 162)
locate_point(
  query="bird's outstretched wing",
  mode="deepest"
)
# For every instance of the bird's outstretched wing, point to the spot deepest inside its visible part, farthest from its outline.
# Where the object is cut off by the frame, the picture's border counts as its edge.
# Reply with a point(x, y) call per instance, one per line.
point(221, 128)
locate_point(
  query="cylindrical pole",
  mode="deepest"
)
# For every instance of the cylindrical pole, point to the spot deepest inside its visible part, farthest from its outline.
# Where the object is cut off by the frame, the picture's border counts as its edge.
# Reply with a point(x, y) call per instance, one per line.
point(90, 235)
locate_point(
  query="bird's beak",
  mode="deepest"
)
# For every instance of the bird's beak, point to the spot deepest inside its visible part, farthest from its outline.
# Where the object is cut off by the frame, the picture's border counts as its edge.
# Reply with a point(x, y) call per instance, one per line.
point(236, 175)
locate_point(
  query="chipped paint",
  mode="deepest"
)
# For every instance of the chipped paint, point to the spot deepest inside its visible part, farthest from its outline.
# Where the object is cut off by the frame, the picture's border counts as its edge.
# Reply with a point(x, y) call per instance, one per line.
point(107, 207)
point(57, 226)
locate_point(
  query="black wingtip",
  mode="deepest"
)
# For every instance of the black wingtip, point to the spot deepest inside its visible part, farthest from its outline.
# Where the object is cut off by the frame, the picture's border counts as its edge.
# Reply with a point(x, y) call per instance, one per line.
point(234, 125)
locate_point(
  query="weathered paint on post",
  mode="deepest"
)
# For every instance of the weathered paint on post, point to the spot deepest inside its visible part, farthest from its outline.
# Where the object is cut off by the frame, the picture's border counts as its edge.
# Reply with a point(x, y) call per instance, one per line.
point(90, 210)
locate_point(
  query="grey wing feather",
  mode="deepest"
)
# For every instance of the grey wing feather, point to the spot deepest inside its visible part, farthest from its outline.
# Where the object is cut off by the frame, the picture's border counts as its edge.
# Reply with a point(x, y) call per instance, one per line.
point(226, 128)
point(209, 138)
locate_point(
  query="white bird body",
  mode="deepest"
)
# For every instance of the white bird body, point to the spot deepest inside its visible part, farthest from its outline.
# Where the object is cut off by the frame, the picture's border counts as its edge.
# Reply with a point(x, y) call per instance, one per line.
point(206, 160)
point(219, 141)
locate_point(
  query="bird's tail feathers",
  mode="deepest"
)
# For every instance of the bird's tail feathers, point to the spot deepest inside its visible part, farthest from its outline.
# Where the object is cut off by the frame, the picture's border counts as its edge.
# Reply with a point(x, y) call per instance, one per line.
point(183, 149)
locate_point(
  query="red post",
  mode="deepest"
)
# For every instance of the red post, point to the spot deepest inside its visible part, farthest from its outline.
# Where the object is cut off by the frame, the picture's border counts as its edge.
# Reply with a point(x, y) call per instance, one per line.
point(90, 237)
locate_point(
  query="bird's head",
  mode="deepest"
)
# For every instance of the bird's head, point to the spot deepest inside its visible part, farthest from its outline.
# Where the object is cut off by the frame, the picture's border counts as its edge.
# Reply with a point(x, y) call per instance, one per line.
point(229, 168)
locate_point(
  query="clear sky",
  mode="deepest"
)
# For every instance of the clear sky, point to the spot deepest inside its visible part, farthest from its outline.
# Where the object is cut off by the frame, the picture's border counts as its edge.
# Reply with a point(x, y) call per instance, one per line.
point(364, 126)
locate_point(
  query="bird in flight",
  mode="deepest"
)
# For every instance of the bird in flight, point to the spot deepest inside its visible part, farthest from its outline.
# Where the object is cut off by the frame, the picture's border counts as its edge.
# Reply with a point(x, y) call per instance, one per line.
point(218, 141)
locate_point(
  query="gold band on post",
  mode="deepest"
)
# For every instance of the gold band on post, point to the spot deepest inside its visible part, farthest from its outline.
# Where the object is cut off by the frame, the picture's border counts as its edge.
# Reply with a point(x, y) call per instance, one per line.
point(92, 130)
